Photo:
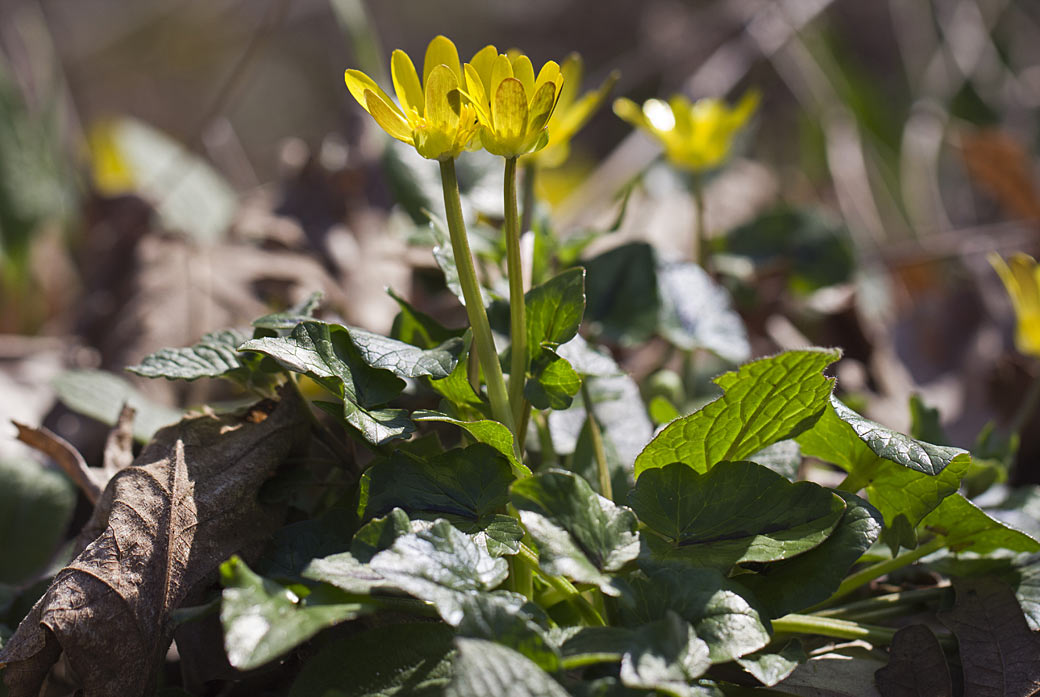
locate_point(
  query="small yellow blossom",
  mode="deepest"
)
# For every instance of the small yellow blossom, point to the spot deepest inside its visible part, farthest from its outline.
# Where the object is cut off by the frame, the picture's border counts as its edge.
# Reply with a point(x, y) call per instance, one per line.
point(432, 116)
point(513, 105)
point(696, 136)
point(1021, 277)
point(571, 113)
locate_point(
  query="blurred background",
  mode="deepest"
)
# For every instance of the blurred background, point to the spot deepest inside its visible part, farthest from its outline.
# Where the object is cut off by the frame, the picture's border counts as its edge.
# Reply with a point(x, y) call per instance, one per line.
point(169, 168)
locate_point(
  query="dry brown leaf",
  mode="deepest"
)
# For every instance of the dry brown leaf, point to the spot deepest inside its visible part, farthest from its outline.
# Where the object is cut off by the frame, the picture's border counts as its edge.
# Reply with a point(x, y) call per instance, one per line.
point(1001, 166)
point(158, 533)
point(119, 446)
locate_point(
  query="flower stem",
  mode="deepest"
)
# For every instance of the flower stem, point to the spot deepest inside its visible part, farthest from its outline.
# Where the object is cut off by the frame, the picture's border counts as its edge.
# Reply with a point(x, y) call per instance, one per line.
point(483, 342)
point(517, 310)
point(700, 250)
point(1027, 408)
point(892, 601)
point(831, 627)
point(602, 469)
point(865, 576)
point(530, 173)
point(564, 587)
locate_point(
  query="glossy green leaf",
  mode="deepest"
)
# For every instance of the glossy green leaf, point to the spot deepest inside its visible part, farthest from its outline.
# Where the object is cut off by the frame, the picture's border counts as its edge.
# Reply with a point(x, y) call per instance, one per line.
point(294, 546)
point(469, 482)
point(622, 301)
point(736, 512)
point(379, 534)
point(898, 488)
point(697, 313)
point(377, 426)
point(554, 310)
point(484, 431)
point(795, 584)
point(263, 620)
point(719, 609)
point(963, 525)
point(101, 395)
point(286, 320)
point(783, 457)
point(484, 668)
point(405, 360)
point(1026, 580)
point(456, 388)
point(770, 667)
point(36, 504)
point(665, 655)
point(509, 619)
point(765, 401)
point(419, 664)
point(553, 382)
point(215, 355)
point(580, 534)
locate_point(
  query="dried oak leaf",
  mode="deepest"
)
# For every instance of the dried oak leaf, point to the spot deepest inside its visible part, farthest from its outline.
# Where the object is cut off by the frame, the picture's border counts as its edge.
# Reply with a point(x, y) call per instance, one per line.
point(158, 533)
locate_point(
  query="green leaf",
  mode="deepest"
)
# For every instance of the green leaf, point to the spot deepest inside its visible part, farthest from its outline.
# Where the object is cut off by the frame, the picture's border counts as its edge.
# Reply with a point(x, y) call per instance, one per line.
point(553, 382)
point(737, 512)
point(456, 388)
point(765, 401)
point(554, 310)
point(999, 654)
point(716, 607)
point(470, 482)
point(419, 664)
point(285, 321)
point(925, 423)
point(509, 619)
point(379, 534)
point(484, 668)
point(810, 578)
point(963, 525)
point(418, 328)
point(580, 534)
point(697, 313)
point(622, 300)
point(898, 488)
point(297, 544)
point(770, 667)
point(215, 355)
point(101, 395)
point(263, 620)
point(484, 431)
point(783, 457)
point(36, 504)
point(440, 565)
point(405, 360)
point(665, 655)
point(327, 353)
point(1026, 580)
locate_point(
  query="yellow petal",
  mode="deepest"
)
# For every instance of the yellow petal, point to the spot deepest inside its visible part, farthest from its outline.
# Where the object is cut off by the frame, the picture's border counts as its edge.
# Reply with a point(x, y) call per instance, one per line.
point(745, 108)
point(500, 70)
point(358, 83)
point(550, 72)
point(541, 107)
point(568, 119)
point(406, 82)
point(509, 115)
point(572, 70)
point(1020, 280)
point(442, 99)
point(630, 111)
point(524, 72)
point(482, 62)
point(388, 118)
point(442, 51)
point(476, 95)
point(659, 115)
point(682, 113)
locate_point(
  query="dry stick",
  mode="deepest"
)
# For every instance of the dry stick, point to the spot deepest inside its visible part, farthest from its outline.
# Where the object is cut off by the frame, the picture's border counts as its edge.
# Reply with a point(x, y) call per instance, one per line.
point(63, 453)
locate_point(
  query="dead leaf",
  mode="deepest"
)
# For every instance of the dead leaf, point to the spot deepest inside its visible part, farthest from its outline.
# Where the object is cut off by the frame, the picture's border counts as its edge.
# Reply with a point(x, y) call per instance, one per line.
point(1000, 656)
point(916, 666)
point(119, 446)
point(158, 533)
point(64, 454)
point(1001, 166)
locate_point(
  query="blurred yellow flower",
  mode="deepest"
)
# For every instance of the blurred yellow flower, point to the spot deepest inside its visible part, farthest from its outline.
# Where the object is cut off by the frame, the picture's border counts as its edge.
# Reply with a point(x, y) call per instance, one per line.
point(513, 105)
point(571, 113)
point(1021, 277)
point(434, 119)
point(696, 136)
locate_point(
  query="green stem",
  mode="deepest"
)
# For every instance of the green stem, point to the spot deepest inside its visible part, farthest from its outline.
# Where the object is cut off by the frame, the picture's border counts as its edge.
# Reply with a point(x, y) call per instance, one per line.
point(545, 440)
point(588, 659)
point(865, 576)
point(854, 481)
point(1027, 407)
point(700, 250)
point(483, 342)
point(898, 601)
point(563, 587)
point(530, 172)
point(517, 309)
point(602, 469)
point(831, 627)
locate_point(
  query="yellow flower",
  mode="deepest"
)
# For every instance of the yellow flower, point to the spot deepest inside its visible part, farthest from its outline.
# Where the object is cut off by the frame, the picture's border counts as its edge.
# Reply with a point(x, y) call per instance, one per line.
point(570, 113)
point(696, 136)
point(513, 105)
point(435, 120)
point(1021, 277)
